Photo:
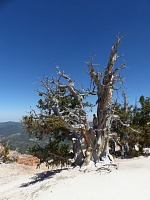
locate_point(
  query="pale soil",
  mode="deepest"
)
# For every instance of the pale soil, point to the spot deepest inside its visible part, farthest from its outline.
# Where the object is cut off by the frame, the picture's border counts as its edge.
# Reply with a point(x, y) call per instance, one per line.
point(130, 182)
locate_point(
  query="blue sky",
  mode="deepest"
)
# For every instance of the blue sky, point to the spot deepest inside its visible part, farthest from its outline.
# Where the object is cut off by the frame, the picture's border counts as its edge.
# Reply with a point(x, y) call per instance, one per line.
point(36, 34)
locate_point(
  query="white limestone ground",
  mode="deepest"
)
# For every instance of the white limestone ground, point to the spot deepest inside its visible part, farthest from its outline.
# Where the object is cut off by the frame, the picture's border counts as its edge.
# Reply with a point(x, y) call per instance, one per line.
point(130, 182)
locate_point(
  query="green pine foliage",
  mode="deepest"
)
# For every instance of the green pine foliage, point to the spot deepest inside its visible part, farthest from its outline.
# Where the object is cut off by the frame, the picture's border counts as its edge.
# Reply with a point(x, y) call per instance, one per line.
point(57, 150)
point(55, 153)
point(139, 119)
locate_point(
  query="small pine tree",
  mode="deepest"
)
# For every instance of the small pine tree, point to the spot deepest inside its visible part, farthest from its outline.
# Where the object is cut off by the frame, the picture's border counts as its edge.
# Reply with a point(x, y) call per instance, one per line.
point(4, 154)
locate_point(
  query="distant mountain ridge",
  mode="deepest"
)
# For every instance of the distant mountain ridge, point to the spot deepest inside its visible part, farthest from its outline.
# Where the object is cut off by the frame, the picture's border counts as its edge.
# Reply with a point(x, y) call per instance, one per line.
point(13, 134)
point(7, 128)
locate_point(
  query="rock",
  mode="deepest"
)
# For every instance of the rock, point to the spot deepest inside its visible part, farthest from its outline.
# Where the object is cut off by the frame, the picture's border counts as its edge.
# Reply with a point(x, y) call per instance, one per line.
point(27, 160)
point(13, 155)
point(24, 159)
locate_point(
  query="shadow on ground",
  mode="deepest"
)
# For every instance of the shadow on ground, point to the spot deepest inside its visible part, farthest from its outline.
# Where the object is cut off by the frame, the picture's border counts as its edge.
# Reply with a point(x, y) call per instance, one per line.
point(42, 176)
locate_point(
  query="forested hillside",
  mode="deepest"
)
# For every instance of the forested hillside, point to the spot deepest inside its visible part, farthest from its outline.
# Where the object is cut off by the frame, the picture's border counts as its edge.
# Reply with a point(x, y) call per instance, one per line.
point(12, 134)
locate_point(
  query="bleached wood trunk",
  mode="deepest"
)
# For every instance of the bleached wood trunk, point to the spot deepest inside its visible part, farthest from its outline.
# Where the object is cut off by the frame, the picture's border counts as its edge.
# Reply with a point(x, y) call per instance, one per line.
point(104, 91)
point(104, 125)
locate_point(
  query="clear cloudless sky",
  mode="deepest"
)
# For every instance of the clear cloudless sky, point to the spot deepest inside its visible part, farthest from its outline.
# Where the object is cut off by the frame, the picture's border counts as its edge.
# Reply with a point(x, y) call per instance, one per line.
point(36, 34)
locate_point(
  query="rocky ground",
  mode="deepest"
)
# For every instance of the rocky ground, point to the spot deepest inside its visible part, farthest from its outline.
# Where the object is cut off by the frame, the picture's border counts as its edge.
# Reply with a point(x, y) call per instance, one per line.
point(130, 182)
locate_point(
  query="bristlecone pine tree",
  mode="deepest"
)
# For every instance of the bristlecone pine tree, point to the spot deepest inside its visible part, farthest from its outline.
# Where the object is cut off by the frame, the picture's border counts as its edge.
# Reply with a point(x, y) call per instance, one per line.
point(63, 118)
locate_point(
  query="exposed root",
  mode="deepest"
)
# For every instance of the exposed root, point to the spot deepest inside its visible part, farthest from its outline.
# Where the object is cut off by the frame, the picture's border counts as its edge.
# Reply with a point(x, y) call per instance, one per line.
point(100, 169)
point(88, 168)
point(112, 164)
point(106, 167)
point(101, 166)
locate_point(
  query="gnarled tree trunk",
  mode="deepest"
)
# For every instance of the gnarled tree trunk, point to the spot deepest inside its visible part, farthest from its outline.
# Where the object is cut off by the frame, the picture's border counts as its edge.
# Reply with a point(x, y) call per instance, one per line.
point(104, 91)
